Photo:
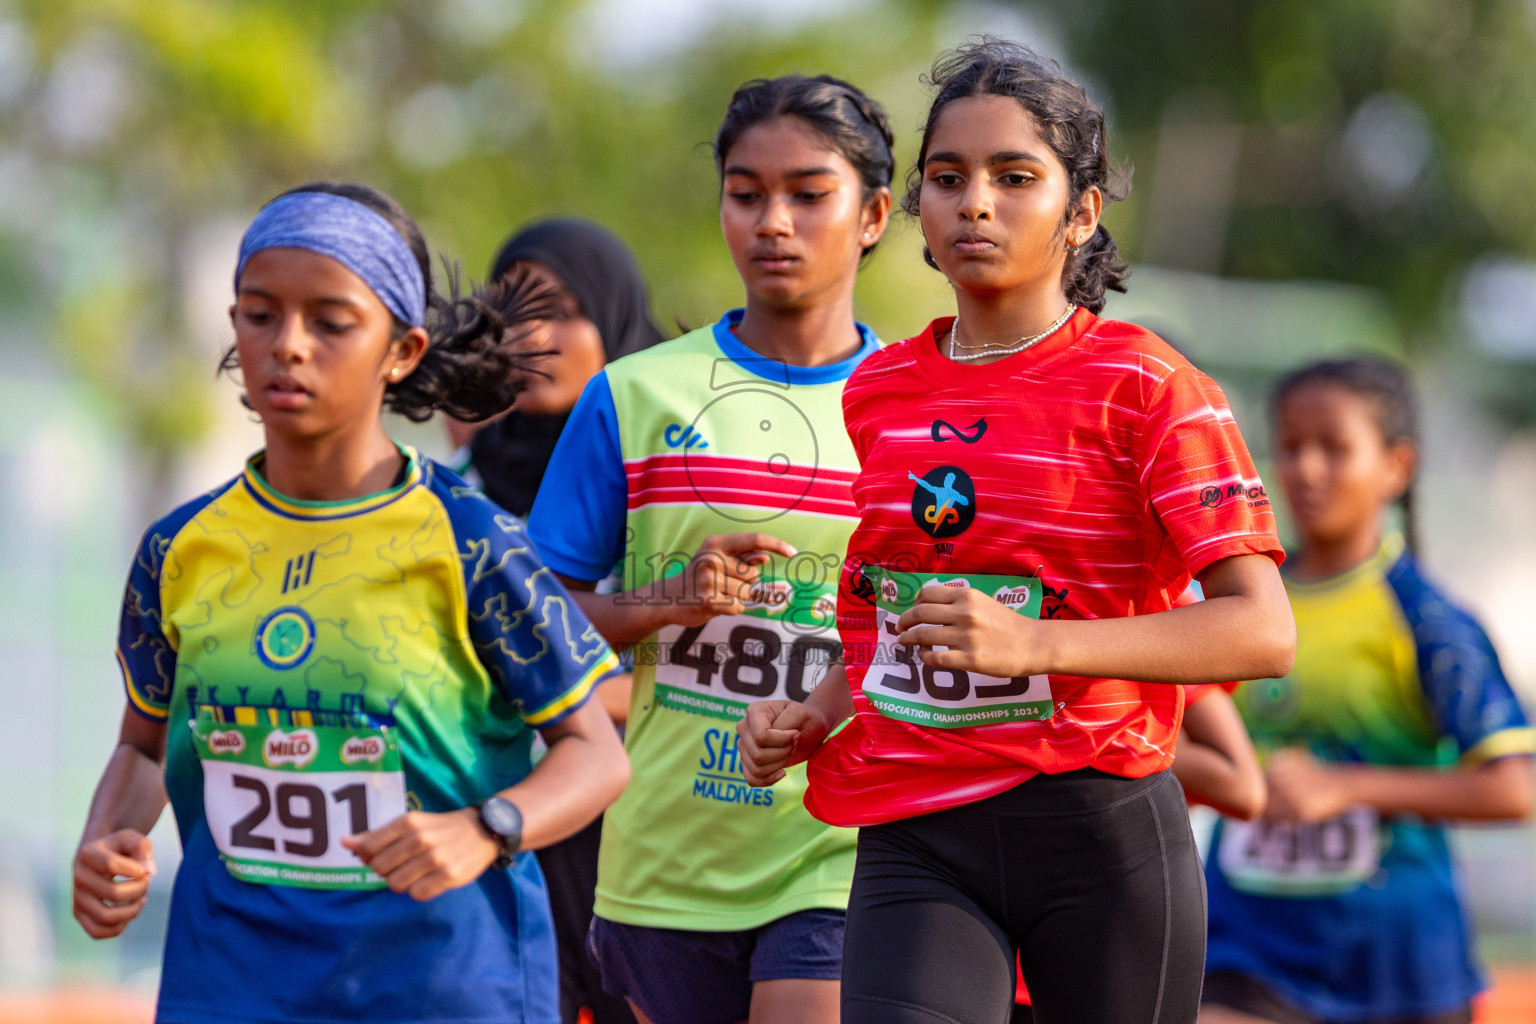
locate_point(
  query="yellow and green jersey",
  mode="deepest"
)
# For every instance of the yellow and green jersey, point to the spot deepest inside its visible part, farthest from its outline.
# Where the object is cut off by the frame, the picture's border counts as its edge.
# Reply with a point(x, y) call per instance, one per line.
point(693, 438)
point(323, 667)
point(1358, 917)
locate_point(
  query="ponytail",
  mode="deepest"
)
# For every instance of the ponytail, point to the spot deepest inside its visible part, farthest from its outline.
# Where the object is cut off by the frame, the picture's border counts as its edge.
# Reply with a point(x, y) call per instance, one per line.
point(1094, 268)
point(467, 369)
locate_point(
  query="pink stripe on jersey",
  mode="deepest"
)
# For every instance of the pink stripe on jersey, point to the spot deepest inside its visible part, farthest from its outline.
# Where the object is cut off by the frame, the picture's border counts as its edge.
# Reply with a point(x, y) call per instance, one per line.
point(726, 480)
point(1107, 464)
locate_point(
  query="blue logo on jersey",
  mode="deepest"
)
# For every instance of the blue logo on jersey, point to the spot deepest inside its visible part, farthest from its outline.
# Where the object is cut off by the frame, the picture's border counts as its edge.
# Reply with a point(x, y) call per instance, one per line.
point(944, 501)
point(285, 638)
point(678, 436)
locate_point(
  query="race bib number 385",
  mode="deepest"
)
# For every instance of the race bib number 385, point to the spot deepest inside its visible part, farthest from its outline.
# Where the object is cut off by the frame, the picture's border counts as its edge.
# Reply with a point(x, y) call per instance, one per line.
point(278, 800)
point(900, 686)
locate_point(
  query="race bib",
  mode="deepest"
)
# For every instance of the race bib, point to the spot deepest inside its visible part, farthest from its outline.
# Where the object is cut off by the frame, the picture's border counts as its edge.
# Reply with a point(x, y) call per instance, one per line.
point(779, 649)
point(278, 799)
point(1287, 858)
point(900, 686)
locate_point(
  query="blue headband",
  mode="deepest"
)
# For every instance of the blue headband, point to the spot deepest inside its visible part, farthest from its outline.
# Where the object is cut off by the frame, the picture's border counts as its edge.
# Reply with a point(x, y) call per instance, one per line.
point(352, 235)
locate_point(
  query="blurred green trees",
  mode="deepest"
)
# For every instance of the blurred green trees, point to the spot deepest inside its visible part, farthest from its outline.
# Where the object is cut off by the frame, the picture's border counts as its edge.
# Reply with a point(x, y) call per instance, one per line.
point(1381, 142)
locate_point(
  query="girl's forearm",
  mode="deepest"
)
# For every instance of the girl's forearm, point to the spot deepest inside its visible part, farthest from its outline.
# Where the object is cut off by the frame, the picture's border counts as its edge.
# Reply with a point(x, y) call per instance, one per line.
point(1502, 790)
point(1210, 778)
point(583, 772)
point(626, 619)
point(131, 794)
point(1243, 630)
point(832, 699)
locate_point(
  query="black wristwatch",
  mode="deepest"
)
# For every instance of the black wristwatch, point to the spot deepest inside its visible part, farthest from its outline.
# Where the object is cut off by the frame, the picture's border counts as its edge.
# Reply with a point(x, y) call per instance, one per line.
point(504, 822)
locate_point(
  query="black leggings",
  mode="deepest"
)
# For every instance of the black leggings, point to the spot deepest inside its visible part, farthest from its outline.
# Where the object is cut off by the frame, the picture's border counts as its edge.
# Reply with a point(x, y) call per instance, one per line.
point(1093, 879)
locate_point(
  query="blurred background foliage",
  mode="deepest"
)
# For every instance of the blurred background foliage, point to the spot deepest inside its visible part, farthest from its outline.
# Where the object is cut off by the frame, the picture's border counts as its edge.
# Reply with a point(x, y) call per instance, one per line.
point(1384, 143)
point(1311, 177)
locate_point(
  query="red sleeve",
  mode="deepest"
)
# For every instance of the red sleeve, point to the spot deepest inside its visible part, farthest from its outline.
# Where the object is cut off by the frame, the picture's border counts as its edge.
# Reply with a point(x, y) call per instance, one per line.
point(1199, 477)
point(1194, 694)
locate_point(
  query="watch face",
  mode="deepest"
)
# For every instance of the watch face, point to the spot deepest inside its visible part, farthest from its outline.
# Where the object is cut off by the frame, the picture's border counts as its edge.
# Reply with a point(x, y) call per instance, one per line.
point(501, 817)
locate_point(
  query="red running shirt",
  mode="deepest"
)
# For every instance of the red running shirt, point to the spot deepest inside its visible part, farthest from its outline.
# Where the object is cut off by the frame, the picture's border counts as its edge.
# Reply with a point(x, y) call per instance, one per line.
point(1101, 459)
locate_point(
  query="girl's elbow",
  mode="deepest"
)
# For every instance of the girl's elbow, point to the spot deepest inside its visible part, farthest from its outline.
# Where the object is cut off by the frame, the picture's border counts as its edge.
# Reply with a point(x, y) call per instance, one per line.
point(618, 776)
point(1251, 799)
point(1521, 794)
point(1279, 648)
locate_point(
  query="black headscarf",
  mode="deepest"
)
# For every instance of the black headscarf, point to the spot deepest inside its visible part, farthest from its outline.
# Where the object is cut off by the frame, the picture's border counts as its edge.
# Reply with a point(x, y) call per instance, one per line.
point(512, 453)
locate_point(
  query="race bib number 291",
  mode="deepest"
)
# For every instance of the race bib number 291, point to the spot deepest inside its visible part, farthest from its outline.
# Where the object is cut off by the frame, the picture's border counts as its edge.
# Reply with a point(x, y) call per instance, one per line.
point(278, 800)
point(900, 686)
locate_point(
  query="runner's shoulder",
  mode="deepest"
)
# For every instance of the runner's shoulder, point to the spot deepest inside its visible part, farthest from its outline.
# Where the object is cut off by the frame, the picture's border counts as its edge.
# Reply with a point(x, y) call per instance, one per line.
point(1141, 367)
point(160, 534)
point(472, 515)
point(697, 342)
point(893, 359)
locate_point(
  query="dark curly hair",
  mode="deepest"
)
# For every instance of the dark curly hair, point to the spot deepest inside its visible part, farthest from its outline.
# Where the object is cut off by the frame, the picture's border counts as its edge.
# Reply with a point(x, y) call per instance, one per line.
point(854, 124)
point(1070, 123)
point(466, 370)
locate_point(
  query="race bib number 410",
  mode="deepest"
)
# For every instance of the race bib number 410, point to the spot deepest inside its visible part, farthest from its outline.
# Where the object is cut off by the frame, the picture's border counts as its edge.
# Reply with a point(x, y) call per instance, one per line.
point(900, 686)
point(779, 649)
point(278, 800)
point(1286, 858)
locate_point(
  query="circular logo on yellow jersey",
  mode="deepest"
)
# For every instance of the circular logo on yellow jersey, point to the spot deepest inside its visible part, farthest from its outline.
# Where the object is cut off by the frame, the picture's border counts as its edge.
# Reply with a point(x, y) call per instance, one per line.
point(285, 637)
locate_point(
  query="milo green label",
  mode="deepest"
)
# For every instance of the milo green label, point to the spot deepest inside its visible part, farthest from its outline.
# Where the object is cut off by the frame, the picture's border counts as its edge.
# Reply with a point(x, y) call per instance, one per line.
point(778, 649)
point(900, 686)
point(279, 798)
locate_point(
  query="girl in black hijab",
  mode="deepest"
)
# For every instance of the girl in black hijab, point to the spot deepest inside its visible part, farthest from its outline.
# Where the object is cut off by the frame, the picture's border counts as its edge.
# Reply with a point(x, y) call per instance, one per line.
point(600, 315)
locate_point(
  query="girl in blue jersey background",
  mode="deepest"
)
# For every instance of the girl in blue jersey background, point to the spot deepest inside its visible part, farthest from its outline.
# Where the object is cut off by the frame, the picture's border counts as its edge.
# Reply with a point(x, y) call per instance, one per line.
point(335, 663)
point(1342, 904)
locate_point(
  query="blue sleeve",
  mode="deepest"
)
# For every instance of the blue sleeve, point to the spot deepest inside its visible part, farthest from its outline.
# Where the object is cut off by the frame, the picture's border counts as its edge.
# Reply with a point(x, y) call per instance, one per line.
point(1459, 670)
point(536, 645)
point(145, 653)
point(577, 520)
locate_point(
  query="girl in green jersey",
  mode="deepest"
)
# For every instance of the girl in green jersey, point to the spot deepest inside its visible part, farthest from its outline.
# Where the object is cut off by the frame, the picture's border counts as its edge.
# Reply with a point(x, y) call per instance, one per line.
point(715, 468)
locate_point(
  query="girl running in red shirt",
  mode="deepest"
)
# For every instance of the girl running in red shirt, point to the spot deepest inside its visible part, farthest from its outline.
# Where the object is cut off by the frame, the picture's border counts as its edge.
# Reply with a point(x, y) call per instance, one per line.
point(1038, 487)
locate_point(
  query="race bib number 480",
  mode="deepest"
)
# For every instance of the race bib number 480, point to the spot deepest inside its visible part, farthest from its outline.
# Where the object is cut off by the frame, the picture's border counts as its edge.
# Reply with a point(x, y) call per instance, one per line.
point(278, 800)
point(900, 686)
point(779, 649)
point(1286, 858)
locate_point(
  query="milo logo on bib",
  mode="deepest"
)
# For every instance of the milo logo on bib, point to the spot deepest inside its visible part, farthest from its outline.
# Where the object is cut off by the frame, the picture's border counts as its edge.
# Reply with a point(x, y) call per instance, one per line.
point(900, 686)
point(226, 742)
point(297, 748)
point(771, 597)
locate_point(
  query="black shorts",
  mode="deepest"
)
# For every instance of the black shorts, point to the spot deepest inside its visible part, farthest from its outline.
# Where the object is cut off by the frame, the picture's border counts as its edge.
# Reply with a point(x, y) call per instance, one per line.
point(687, 977)
point(1091, 878)
point(570, 871)
point(1237, 991)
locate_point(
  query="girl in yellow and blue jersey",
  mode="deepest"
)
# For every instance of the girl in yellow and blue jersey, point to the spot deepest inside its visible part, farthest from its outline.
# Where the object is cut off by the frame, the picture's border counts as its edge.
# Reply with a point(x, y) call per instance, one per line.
point(1342, 904)
point(335, 663)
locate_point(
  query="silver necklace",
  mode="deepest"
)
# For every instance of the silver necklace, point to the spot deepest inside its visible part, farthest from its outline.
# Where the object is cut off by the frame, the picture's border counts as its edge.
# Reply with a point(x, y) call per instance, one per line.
point(985, 351)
